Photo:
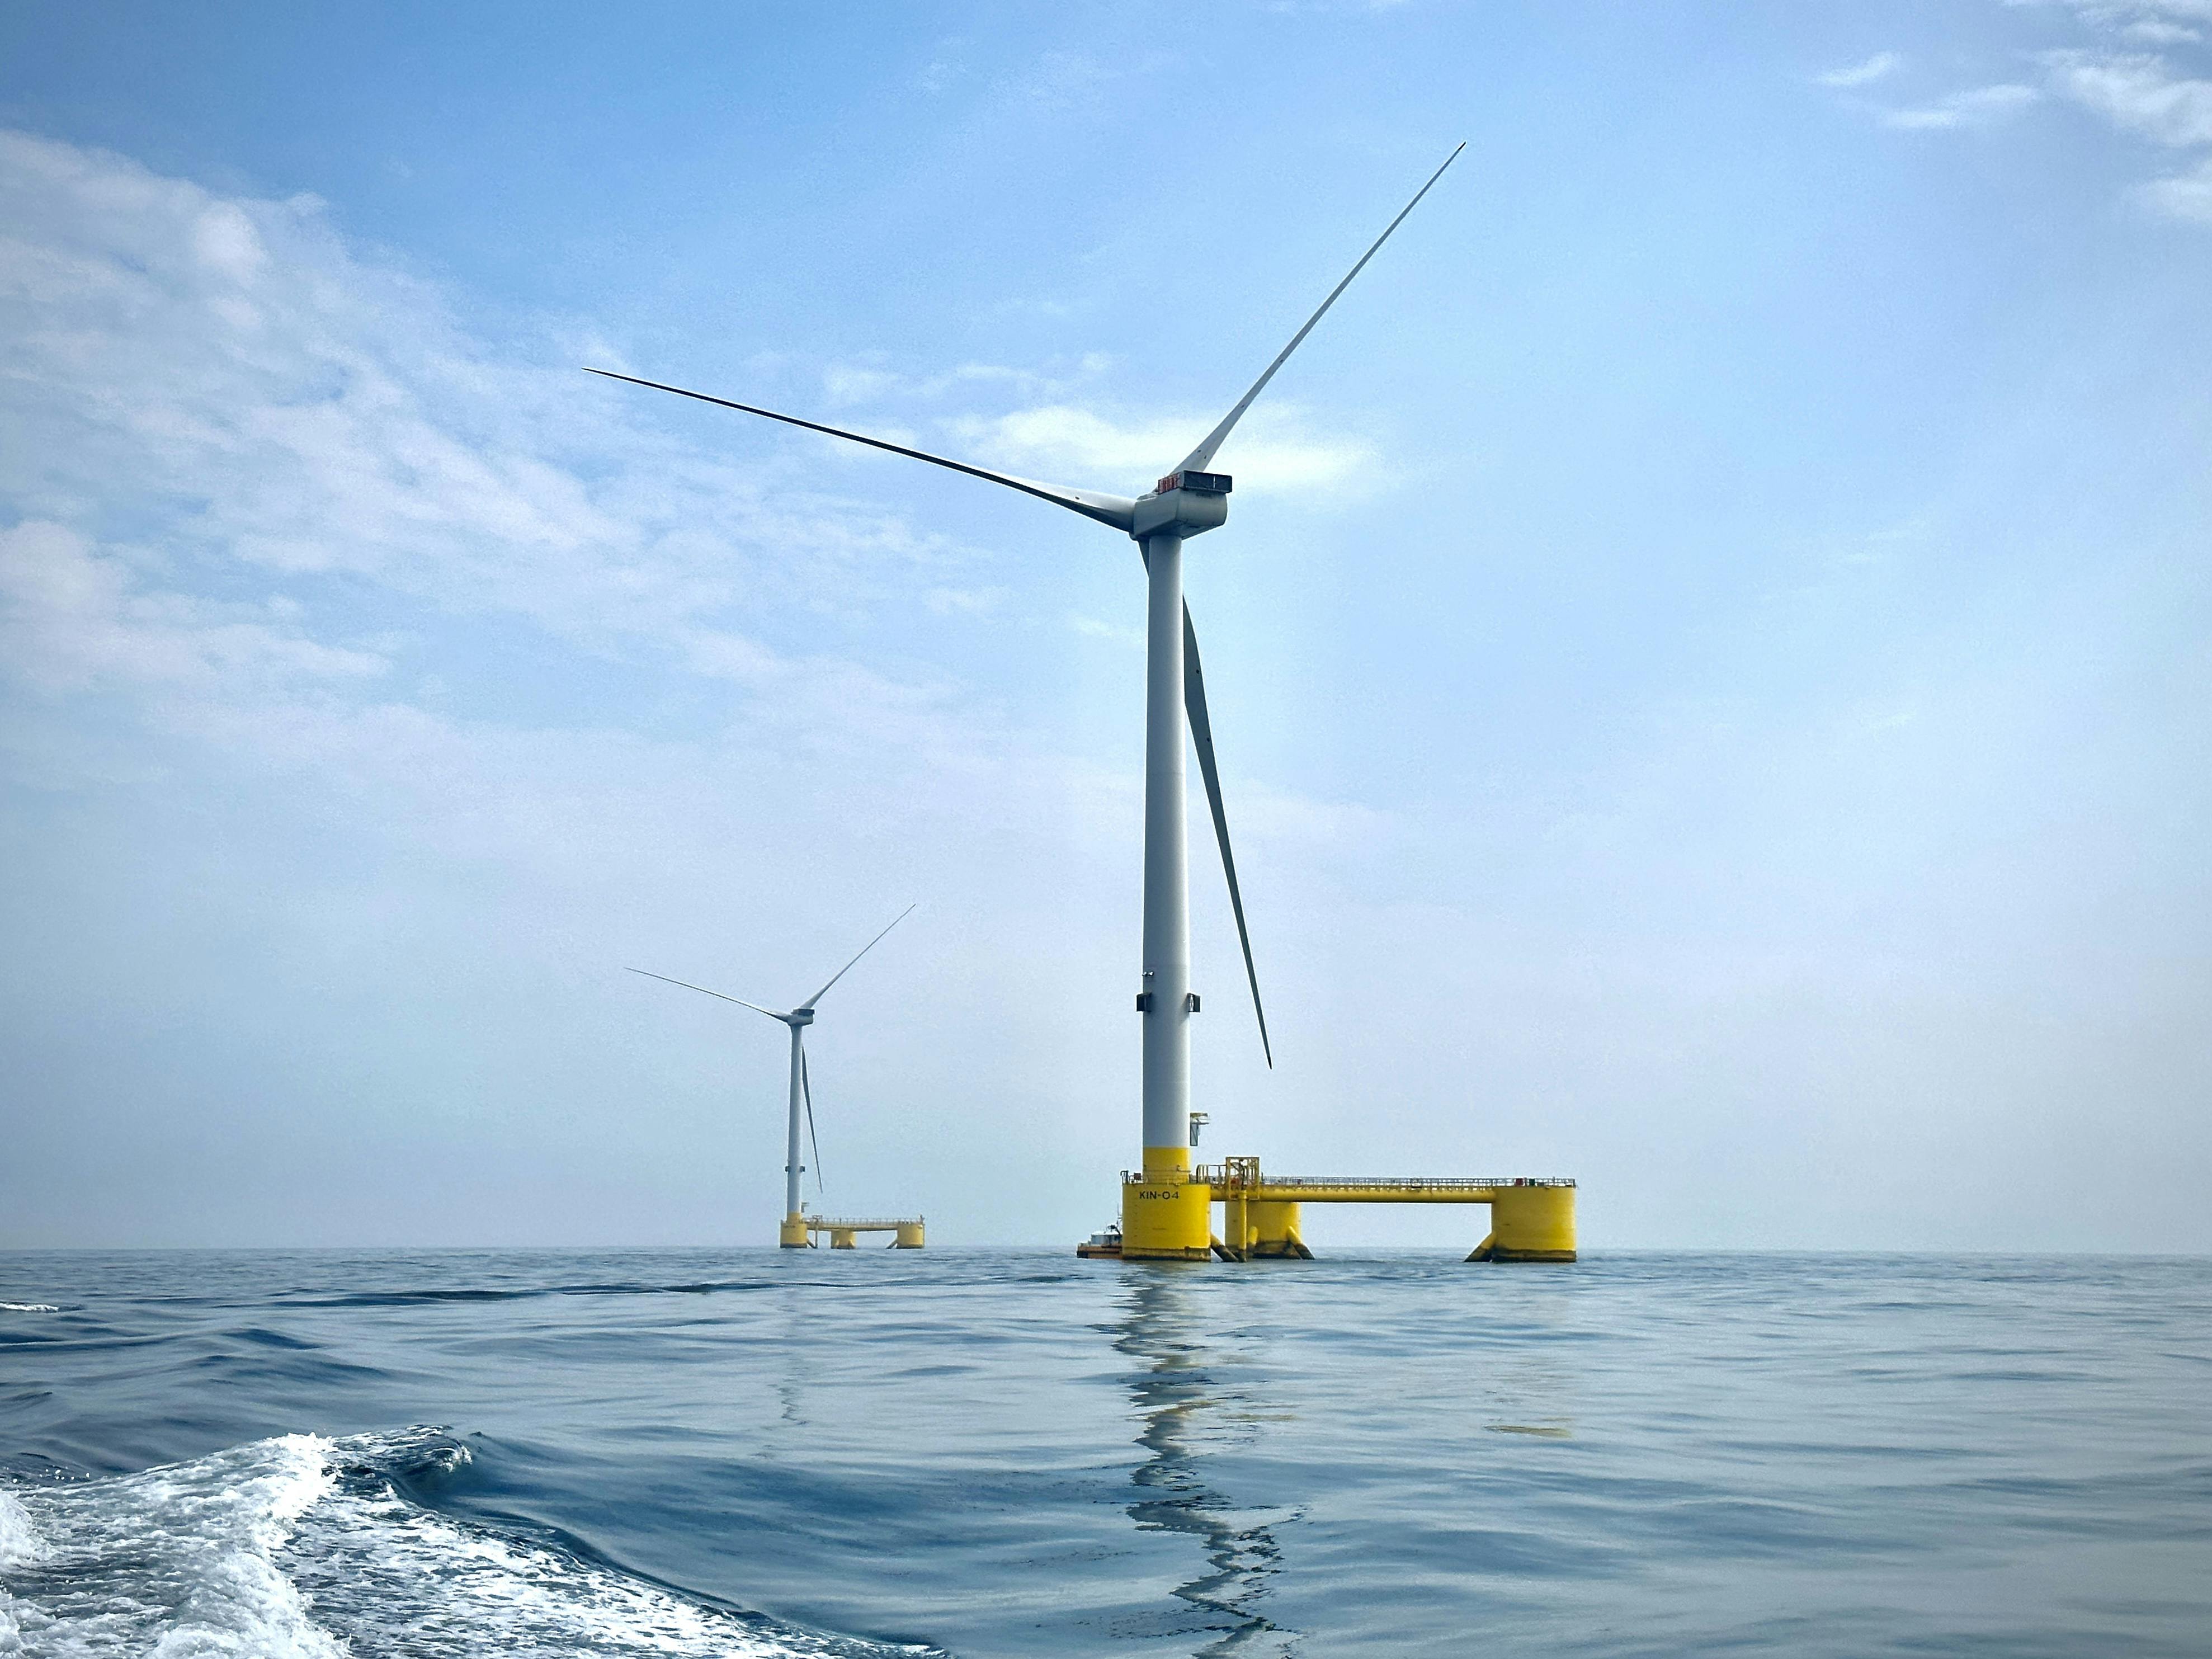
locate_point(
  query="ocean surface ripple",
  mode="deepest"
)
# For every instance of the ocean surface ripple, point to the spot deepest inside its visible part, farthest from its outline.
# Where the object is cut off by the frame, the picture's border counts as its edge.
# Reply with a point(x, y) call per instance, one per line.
point(760, 1453)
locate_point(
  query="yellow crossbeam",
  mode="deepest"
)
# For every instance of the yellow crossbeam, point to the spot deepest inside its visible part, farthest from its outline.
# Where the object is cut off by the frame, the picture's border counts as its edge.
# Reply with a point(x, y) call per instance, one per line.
point(822, 1224)
point(1365, 1189)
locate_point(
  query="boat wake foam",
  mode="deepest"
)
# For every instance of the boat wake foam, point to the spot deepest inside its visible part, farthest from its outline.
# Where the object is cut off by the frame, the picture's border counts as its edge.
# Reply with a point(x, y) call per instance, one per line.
point(303, 1547)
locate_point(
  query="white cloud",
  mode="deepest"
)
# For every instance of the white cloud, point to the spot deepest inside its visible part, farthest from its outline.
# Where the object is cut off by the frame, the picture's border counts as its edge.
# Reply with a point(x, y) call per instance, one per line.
point(2184, 195)
point(1882, 63)
point(2124, 16)
point(73, 617)
point(1976, 106)
point(2153, 33)
point(226, 377)
point(967, 601)
point(1092, 627)
point(1270, 450)
point(2138, 94)
point(2144, 19)
point(1064, 80)
point(848, 384)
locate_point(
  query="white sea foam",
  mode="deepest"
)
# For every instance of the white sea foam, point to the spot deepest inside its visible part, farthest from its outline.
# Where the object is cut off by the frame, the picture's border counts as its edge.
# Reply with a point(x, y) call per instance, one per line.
point(298, 1548)
point(176, 1562)
point(19, 1544)
point(19, 1539)
point(29, 1307)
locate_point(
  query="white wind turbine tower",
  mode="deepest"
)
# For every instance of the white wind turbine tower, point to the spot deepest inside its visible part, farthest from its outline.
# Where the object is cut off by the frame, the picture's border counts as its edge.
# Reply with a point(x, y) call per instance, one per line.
point(794, 1230)
point(1165, 1214)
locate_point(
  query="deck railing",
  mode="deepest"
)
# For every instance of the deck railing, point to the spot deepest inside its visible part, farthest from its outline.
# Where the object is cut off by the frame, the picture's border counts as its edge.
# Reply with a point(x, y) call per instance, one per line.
point(1220, 1175)
point(873, 1224)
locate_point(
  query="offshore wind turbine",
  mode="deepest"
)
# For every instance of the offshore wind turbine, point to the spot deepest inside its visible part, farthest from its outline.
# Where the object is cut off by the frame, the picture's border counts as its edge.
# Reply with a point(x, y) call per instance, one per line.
point(792, 1235)
point(1165, 1213)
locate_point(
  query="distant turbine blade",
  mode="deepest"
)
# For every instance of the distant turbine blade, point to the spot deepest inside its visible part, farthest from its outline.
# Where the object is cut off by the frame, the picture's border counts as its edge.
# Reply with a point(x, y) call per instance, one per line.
point(1202, 735)
point(1116, 510)
point(864, 948)
point(1202, 457)
point(703, 991)
point(807, 1093)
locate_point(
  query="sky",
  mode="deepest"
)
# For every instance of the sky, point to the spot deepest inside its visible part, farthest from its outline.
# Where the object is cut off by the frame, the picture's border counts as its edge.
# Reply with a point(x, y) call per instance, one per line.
point(1711, 653)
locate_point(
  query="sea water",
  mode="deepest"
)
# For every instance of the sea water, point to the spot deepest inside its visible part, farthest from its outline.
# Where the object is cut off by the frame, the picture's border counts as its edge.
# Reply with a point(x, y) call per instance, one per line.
point(755, 1452)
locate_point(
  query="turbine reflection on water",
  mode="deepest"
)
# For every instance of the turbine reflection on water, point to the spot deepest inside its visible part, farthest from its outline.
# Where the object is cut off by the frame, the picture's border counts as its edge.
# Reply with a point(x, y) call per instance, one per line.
point(1178, 1394)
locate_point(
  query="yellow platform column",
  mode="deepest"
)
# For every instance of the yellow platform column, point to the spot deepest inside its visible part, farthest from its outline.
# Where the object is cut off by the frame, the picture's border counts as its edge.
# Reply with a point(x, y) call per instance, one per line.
point(1274, 1230)
point(1530, 1224)
point(792, 1234)
point(843, 1238)
point(908, 1236)
point(1233, 1190)
point(1165, 1215)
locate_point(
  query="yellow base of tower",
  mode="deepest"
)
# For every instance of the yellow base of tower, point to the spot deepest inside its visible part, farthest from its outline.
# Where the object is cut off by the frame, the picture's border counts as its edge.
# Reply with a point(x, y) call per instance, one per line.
point(1165, 1215)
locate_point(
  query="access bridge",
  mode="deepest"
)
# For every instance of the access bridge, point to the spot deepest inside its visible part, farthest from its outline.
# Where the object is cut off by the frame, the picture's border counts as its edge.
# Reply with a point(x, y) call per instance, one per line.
point(844, 1232)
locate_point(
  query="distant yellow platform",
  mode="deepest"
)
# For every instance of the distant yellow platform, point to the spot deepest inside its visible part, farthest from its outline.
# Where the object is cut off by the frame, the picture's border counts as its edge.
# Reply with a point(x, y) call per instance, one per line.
point(844, 1234)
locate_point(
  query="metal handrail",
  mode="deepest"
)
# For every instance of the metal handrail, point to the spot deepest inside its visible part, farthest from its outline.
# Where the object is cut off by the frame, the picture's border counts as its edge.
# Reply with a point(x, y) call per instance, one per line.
point(871, 1224)
point(1218, 1175)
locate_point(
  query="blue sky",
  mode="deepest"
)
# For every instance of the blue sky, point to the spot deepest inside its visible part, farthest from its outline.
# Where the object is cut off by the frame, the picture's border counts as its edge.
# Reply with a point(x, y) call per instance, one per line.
point(1712, 654)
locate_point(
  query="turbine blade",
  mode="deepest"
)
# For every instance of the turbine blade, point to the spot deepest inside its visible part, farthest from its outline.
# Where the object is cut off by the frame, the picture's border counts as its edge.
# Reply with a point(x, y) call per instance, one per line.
point(807, 1093)
point(1202, 735)
point(1202, 457)
point(703, 991)
point(1116, 510)
point(848, 968)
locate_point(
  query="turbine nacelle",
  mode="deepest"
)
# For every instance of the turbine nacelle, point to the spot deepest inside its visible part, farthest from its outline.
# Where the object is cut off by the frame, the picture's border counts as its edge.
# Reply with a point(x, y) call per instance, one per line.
point(1184, 504)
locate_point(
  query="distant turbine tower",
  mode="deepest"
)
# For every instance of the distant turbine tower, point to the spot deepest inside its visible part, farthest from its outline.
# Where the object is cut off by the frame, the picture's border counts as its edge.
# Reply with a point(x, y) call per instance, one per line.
point(792, 1235)
point(1165, 1214)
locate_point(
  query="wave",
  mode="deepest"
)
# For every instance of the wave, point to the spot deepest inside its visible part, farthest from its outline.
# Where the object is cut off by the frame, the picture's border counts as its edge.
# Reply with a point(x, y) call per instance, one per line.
point(29, 1307)
point(302, 1548)
point(404, 1299)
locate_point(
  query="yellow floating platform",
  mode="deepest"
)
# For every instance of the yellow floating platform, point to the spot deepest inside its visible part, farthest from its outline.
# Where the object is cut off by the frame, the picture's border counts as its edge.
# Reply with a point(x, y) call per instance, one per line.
point(1166, 1211)
point(844, 1233)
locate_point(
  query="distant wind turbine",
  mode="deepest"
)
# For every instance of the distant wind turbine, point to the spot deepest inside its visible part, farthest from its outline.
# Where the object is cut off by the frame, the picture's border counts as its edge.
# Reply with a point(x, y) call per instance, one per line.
point(802, 1093)
point(1165, 1214)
